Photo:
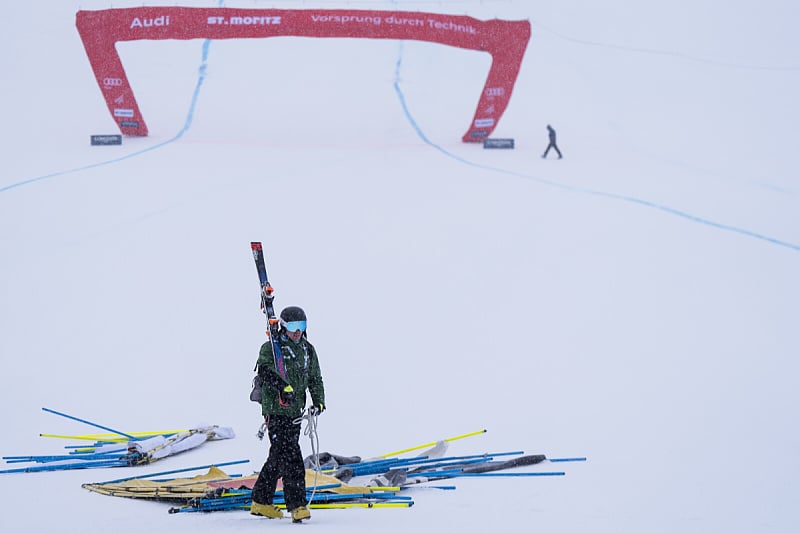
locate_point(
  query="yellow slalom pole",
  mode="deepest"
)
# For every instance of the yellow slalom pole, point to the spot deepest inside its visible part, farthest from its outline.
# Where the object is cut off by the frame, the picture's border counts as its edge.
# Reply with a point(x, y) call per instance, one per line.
point(383, 489)
point(363, 505)
point(112, 437)
point(75, 437)
point(428, 444)
point(85, 450)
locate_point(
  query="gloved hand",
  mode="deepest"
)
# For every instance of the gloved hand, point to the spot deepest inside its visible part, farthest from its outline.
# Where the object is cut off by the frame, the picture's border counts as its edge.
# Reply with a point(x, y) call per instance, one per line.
point(286, 396)
point(317, 409)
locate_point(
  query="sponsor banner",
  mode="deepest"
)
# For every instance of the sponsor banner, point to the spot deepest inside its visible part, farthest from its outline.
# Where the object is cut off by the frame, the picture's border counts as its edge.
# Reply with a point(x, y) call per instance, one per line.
point(505, 40)
point(105, 140)
point(498, 143)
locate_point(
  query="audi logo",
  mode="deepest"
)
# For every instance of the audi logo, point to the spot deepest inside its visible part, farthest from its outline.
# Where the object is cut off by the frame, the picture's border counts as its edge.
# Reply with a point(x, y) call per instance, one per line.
point(112, 82)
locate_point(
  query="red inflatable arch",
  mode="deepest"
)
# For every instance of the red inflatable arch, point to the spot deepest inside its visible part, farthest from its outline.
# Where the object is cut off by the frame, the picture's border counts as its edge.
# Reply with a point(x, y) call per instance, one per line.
point(101, 30)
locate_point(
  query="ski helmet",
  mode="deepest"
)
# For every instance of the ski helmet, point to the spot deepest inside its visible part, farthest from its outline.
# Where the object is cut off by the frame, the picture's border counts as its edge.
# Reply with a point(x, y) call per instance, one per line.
point(293, 314)
point(293, 319)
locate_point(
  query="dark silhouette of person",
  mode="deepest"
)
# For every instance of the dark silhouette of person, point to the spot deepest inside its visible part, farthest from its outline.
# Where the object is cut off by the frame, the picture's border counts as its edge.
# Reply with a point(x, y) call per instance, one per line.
point(551, 133)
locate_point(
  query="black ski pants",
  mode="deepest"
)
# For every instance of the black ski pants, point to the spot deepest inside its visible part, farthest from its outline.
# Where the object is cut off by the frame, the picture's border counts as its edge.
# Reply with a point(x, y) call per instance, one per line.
point(285, 460)
point(554, 147)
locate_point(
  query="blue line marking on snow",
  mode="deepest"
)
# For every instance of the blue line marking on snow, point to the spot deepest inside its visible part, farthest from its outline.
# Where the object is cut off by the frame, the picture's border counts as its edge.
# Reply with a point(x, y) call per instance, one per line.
point(201, 76)
point(612, 196)
point(421, 134)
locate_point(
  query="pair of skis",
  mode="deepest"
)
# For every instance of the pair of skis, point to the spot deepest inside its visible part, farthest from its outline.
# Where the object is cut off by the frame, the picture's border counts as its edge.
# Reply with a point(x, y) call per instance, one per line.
point(269, 310)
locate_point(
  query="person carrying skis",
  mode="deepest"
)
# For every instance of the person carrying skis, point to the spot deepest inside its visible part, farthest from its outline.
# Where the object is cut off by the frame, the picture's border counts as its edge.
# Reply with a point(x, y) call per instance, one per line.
point(551, 134)
point(283, 398)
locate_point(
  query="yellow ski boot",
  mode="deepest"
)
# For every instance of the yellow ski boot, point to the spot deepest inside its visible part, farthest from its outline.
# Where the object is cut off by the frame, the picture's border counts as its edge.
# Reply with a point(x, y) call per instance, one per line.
point(300, 513)
point(268, 510)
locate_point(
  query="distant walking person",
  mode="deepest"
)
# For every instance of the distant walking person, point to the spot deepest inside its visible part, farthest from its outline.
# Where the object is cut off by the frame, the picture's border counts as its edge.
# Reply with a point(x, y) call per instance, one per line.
point(551, 133)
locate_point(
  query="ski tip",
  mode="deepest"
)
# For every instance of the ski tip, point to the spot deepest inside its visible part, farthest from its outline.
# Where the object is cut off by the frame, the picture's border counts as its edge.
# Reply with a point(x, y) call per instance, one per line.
point(255, 245)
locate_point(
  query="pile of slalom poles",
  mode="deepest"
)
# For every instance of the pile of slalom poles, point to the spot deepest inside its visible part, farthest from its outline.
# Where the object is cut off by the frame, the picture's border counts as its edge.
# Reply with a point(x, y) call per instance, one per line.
point(240, 499)
point(434, 466)
point(422, 469)
point(386, 476)
point(108, 450)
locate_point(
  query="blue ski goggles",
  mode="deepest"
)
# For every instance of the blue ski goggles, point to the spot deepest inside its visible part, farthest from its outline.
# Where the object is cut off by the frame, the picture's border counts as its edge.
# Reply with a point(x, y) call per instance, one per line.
point(297, 325)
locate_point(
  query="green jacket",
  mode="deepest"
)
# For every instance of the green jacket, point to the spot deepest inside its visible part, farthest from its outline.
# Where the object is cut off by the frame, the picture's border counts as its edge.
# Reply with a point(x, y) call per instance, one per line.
point(302, 373)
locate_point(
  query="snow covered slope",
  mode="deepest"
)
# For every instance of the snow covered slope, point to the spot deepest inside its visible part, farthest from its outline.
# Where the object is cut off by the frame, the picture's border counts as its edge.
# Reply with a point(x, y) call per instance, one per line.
point(636, 302)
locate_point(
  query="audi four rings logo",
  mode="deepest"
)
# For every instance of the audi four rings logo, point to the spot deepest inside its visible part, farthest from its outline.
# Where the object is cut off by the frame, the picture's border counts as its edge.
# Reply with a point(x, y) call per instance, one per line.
point(112, 82)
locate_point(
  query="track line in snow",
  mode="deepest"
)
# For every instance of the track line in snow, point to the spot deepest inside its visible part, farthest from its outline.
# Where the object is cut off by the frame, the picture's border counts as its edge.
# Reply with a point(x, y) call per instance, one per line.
point(623, 198)
point(409, 116)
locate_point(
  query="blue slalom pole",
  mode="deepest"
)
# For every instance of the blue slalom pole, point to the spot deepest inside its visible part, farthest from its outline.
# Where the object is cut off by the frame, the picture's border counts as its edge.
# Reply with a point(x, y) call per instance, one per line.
point(463, 462)
point(460, 473)
point(129, 437)
point(511, 474)
point(427, 487)
point(53, 458)
point(177, 471)
point(70, 466)
point(418, 463)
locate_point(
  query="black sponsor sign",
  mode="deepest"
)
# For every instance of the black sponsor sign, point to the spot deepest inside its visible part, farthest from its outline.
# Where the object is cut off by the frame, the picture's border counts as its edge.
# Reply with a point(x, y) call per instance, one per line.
point(105, 140)
point(129, 123)
point(498, 143)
